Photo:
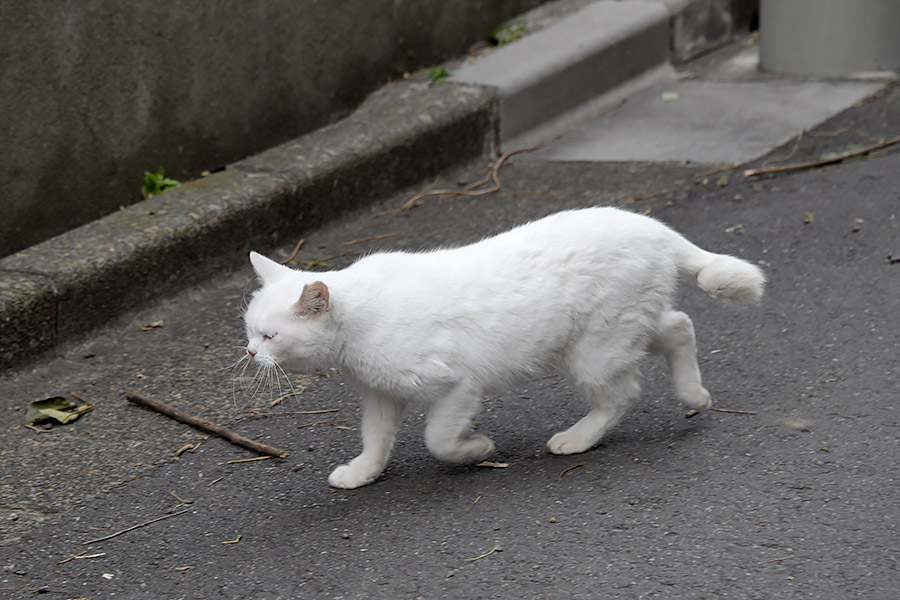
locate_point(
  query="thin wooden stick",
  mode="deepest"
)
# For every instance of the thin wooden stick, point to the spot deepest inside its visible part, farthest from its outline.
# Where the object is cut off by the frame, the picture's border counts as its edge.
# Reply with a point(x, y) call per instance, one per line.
point(772, 560)
point(733, 411)
point(787, 156)
point(205, 425)
point(295, 412)
point(470, 191)
point(294, 253)
point(40, 590)
point(693, 413)
point(564, 471)
point(79, 397)
point(371, 238)
point(132, 528)
point(65, 560)
point(486, 554)
point(246, 460)
point(821, 162)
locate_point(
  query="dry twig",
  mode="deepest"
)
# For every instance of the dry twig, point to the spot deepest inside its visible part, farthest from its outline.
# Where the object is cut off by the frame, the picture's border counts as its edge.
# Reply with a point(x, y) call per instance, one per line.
point(36, 430)
point(488, 553)
point(370, 238)
point(294, 253)
point(206, 426)
point(716, 170)
point(80, 555)
point(792, 153)
point(132, 528)
point(493, 177)
point(79, 397)
point(246, 460)
point(772, 560)
point(294, 412)
point(693, 413)
point(822, 161)
point(40, 590)
point(564, 471)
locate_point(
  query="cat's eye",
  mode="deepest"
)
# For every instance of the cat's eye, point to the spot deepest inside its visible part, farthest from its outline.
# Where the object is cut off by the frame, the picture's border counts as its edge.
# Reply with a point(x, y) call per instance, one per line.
point(269, 337)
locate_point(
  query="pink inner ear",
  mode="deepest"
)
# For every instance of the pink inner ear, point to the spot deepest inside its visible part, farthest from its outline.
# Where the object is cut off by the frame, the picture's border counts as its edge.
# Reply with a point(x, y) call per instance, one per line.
point(313, 299)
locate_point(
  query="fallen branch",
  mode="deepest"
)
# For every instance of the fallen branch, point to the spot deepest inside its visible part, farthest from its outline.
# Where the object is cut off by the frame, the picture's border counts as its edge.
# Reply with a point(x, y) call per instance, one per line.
point(132, 528)
point(470, 190)
point(821, 162)
point(205, 425)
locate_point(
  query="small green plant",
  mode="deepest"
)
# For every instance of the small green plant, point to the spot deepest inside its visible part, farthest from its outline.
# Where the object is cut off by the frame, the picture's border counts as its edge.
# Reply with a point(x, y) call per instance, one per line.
point(157, 183)
point(437, 74)
point(508, 33)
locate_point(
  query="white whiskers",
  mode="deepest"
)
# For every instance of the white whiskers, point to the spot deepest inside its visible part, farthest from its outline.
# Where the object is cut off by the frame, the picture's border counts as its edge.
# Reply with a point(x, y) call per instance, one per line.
point(251, 379)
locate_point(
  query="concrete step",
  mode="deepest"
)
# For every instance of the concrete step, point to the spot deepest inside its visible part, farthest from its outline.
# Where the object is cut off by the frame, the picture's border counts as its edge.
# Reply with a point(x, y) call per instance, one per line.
point(580, 57)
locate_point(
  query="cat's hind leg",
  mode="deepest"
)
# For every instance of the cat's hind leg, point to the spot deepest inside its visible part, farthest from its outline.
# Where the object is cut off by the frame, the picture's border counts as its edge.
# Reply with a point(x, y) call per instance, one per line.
point(610, 400)
point(675, 341)
point(380, 419)
point(447, 428)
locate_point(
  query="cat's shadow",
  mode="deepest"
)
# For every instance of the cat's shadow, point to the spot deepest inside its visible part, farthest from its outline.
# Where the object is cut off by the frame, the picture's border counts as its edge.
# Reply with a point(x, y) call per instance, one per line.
point(522, 462)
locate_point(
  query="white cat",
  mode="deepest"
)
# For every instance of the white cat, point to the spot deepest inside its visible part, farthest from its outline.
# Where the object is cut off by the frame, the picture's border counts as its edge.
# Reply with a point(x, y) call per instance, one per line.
point(588, 292)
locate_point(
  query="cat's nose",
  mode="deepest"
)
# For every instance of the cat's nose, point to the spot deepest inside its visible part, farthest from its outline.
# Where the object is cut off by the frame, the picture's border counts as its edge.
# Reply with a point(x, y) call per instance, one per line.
point(251, 352)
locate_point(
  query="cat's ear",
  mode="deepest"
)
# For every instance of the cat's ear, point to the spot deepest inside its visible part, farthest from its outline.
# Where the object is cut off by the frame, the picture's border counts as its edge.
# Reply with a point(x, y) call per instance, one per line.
point(313, 300)
point(268, 270)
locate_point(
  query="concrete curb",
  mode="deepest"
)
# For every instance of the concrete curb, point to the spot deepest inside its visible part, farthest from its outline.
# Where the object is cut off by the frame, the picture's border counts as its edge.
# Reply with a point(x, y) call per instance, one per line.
point(64, 287)
point(595, 50)
point(406, 132)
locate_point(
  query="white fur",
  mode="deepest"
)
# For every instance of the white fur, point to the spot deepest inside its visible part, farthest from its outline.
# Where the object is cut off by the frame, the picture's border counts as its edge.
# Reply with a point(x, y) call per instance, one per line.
point(588, 292)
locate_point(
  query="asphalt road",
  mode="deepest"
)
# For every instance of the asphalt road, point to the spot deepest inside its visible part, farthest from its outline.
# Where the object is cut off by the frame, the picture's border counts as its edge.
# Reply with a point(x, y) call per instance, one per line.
point(797, 500)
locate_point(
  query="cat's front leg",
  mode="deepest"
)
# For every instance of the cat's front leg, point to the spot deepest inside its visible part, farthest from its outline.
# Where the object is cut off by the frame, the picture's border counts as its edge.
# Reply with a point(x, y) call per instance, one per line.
point(380, 419)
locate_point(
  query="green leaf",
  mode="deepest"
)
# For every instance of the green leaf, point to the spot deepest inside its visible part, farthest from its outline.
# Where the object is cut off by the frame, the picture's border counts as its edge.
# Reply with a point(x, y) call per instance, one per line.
point(438, 74)
point(157, 183)
point(508, 33)
point(669, 96)
point(58, 408)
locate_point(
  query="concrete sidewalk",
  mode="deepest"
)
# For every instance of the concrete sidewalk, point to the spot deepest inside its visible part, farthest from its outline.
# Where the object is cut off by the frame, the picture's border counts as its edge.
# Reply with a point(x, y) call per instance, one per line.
point(406, 133)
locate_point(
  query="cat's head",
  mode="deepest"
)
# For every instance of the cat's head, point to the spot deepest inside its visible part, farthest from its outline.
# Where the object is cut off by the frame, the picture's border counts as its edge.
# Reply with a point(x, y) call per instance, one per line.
point(288, 320)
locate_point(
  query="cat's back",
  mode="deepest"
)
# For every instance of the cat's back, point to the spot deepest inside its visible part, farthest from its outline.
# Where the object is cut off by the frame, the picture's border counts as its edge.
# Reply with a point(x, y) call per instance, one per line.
point(573, 238)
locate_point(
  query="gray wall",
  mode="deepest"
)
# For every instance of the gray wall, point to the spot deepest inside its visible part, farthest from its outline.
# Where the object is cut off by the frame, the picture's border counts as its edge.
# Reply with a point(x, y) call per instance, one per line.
point(95, 92)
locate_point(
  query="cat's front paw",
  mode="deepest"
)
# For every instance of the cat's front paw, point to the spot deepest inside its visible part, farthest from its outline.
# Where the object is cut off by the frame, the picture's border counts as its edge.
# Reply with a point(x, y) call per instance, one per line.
point(347, 477)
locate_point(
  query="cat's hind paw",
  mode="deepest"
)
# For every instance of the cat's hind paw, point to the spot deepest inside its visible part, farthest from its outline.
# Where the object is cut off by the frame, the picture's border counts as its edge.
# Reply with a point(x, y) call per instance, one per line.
point(348, 477)
point(569, 442)
point(471, 448)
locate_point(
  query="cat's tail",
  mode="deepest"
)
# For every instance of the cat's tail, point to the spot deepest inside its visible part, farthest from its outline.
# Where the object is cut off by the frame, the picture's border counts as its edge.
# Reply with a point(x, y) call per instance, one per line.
point(722, 276)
